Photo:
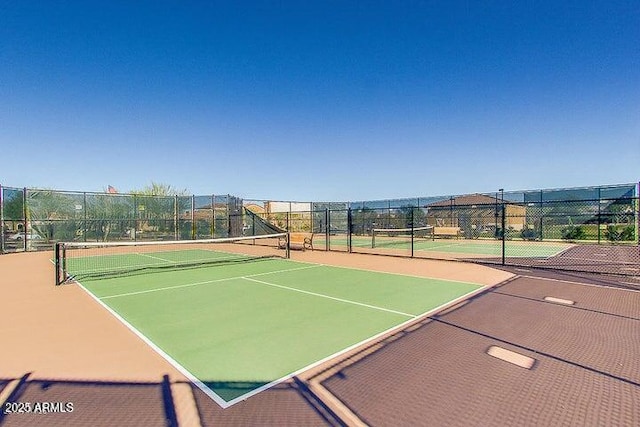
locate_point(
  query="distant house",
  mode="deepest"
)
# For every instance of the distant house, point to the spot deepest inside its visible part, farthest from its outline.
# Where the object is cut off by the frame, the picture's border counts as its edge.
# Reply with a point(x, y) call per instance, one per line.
point(476, 214)
point(297, 207)
point(204, 212)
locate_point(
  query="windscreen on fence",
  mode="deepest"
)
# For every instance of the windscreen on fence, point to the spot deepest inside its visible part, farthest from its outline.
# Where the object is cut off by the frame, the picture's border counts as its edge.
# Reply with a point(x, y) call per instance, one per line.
point(579, 229)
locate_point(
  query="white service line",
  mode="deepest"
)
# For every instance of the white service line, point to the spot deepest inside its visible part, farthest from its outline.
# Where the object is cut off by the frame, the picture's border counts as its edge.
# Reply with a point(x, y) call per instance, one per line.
point(448, 245)
point(187, 285)
point(154, 257)
point(330, 297)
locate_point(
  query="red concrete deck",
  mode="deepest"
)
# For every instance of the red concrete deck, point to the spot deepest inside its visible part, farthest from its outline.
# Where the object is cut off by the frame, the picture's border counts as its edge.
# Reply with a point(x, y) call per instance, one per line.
point(58, 345)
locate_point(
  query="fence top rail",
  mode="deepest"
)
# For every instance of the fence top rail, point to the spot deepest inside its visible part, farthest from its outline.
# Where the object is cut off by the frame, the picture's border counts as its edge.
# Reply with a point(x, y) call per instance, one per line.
point(560, 194)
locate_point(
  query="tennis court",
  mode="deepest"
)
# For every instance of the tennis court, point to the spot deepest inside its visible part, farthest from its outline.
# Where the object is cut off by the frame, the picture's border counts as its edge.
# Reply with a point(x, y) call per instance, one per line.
point(471, 248)
point(237, 319)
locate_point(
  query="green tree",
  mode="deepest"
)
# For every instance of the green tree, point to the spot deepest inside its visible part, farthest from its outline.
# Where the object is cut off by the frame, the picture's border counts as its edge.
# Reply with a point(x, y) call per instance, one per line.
point(407, 217)
point(157, 189)
point(108, 213)
point(573, 232)
point(619, 217)
point(13, 205)
point(363, 220)
point(156, 207)
point(47, 209)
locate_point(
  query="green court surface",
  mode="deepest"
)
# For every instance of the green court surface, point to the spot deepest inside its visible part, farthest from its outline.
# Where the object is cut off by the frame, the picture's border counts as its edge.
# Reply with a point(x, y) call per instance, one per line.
point(237, 329)
point(487, 248)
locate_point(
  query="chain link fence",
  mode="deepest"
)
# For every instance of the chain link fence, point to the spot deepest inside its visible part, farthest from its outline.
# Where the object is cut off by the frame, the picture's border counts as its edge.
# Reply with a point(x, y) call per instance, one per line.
point(593, 229)
point(36, 219)
point(593, 235)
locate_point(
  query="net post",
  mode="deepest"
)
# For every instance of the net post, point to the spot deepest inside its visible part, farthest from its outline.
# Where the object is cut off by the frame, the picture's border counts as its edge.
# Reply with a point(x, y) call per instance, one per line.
point(288, 246)
point(57, 262)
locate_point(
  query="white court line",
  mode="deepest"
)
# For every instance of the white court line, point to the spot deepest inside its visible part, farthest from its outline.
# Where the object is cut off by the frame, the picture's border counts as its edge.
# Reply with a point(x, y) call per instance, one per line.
point(435, 248)
point(225, 404)
point(356, 345)
point(344, 267)
point(147, 291)
point(219, 400)
point(155, 257)
point(330, 297)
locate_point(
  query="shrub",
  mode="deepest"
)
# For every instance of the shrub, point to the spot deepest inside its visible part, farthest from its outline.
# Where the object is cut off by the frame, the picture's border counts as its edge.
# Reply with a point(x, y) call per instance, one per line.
point(616, 234)
point(529, 233)
point(573, 232)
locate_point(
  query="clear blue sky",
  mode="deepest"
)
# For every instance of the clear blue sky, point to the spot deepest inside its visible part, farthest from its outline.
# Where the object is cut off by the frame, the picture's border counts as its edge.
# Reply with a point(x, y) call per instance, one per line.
point(326, 100)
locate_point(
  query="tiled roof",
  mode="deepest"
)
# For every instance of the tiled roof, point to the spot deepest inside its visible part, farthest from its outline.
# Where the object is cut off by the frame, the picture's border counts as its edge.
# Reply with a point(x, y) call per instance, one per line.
point(470, 199)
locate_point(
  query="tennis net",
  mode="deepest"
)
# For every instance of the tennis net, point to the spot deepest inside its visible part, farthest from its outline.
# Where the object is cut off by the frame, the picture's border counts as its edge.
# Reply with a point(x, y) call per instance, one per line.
point(398, 236)
point(80, 260)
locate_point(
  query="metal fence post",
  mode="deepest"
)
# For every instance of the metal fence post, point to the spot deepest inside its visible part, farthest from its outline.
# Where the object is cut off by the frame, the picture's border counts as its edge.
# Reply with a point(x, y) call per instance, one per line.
point(599, 213)
point(349, 230)
point(1, 220)
point(25, 214)
point(638, 215)
point(541, 217)
point(412, 233)
point(133, 218)
point(193, 217)
point(504, 231)
point(84, 215)
point(175, 217)
point(253, 225)
point(228, 215)
point(213, 216)
point(327, 230)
